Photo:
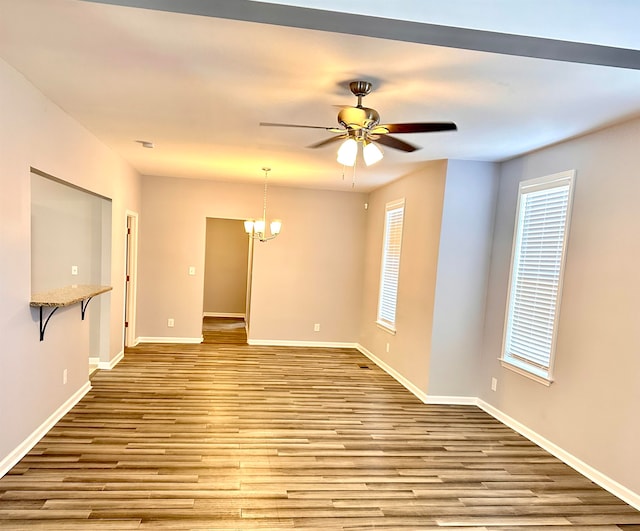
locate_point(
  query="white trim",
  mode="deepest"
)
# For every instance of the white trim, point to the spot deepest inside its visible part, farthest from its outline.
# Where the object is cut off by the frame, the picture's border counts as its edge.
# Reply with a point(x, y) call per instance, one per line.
point(223, 314)
point(604, 481)
point(452, 400)
point(188, 340)
point(129, 333)
point(389, 264)
point(108, 365)
point(288, 343)
point(394, 374)
point(615, 488)
point(94, 360)
point(388, 329)
point(25, 446)
point(525, 371)
point(543, 375)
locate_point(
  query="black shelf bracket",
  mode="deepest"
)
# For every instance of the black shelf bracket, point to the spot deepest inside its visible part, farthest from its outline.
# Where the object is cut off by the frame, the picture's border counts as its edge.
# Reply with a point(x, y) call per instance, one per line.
point(43, 324)
point(83, 306)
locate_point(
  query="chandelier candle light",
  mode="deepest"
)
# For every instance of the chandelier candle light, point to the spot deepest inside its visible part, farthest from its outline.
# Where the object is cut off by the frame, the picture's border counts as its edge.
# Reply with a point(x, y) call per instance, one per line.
point(257, 229)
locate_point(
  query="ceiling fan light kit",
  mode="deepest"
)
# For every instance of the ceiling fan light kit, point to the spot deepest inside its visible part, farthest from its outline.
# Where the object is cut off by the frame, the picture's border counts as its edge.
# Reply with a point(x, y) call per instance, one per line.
point(361, 125)
point(256, 229)
point(348, 152)
point(371, 153)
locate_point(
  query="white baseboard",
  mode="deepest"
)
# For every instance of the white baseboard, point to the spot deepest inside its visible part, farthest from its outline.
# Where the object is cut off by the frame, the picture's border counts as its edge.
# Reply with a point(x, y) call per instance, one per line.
point(289, 343)
point(23, 448)
point(108, 365)
point(452, 400)
point(615, 488)
point(223, 314)
point(394, 374)
point(186, 340)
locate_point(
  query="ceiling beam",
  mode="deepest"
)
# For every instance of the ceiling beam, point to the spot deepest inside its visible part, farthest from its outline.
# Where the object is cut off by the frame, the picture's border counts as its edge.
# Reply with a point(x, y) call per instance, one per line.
point(399, 30)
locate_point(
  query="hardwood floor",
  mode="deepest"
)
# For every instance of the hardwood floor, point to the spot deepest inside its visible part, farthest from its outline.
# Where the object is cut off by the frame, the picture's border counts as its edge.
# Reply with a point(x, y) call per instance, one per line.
point(224, 330)
point(233, 437)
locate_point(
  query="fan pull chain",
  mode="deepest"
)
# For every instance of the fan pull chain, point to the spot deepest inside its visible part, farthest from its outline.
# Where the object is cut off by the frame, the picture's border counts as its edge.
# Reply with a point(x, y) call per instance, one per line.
point(353, 176)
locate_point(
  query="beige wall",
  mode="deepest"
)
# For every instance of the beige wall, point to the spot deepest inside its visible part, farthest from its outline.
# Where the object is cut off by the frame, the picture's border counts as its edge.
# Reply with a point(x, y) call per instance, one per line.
point(309, 274)
point(591, 409)
point(409, 348)
point(36, 133)
point(462, 278)
point(225, 272)
point(66, 230)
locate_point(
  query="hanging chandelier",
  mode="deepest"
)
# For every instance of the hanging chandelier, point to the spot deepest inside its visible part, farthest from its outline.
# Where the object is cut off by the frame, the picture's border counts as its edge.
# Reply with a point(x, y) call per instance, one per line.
point(257, 229)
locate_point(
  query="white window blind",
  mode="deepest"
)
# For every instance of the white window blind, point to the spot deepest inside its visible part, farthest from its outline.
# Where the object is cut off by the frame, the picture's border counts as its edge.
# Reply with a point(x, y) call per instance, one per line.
point(536, 273)
point(387, 302)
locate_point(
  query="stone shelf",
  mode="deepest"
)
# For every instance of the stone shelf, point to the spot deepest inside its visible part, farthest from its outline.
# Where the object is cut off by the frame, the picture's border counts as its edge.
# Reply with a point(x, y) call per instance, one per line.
point(66, 296)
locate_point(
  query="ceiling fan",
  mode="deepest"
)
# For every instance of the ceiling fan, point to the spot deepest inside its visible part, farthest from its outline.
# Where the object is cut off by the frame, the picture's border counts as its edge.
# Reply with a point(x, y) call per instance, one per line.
point(361, 125)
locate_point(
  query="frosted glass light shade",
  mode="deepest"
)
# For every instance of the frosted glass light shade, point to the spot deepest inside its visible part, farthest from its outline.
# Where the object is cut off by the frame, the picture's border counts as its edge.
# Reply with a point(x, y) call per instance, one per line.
point(347, 152)
point(276, 226)
point(248, 226)
point(258, 226)
point(371, 154)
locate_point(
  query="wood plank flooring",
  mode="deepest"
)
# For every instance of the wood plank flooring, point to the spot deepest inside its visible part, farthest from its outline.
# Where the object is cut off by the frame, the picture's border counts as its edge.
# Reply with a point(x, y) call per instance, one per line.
point(234, 437)
point(224, 330)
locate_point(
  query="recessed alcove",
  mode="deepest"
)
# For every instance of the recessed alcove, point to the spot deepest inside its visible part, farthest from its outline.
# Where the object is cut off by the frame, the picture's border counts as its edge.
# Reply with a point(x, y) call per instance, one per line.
point(71, 248)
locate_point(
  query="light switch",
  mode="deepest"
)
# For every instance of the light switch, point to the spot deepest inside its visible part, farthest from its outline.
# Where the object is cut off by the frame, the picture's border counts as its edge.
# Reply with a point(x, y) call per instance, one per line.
point(192, 270)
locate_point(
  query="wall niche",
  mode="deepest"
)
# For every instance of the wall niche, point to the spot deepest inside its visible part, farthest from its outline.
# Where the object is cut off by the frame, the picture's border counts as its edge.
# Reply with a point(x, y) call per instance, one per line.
point(71, 247)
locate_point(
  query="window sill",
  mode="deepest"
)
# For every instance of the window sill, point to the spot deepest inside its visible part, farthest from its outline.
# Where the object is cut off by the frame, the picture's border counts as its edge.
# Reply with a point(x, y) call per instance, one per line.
point(386, 328)
point(526, 372)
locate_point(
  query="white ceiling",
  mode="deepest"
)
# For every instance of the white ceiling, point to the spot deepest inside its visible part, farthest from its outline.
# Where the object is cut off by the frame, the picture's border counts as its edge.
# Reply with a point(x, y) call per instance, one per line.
point(198, 85)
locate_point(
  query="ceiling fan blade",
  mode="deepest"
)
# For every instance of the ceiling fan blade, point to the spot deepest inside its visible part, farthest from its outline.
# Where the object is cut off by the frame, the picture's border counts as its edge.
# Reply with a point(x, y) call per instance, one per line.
point(271, 124)
point(379, 130)
point(420, 127)
point(328, 141)
point(396, 143)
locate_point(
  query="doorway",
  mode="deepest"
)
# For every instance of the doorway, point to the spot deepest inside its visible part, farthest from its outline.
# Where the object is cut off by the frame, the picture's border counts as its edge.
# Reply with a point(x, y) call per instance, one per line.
point(227, 281)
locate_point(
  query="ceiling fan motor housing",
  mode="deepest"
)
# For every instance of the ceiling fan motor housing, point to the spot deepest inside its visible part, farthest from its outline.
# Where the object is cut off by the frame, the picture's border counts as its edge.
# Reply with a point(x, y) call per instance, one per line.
point(358, 116)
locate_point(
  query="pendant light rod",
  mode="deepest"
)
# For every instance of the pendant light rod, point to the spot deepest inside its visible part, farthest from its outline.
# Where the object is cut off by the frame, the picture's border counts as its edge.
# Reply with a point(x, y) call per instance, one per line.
point(257, 229)
point(266, 171)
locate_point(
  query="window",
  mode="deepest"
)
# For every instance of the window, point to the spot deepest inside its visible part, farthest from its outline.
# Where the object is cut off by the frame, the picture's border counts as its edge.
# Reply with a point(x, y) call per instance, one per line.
point(537, 263)
point(394, 214)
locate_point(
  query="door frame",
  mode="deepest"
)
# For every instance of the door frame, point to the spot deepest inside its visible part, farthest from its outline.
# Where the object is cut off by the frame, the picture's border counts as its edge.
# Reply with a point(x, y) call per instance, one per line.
point(130, 279)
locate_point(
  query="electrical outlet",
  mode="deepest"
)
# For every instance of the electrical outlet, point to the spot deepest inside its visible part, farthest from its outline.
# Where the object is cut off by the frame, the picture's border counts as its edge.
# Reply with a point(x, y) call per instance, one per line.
point(170, 323)
point(494, 384)
point(387, 347)
point(316, 327)
point(64, 377)
point(74, 270)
